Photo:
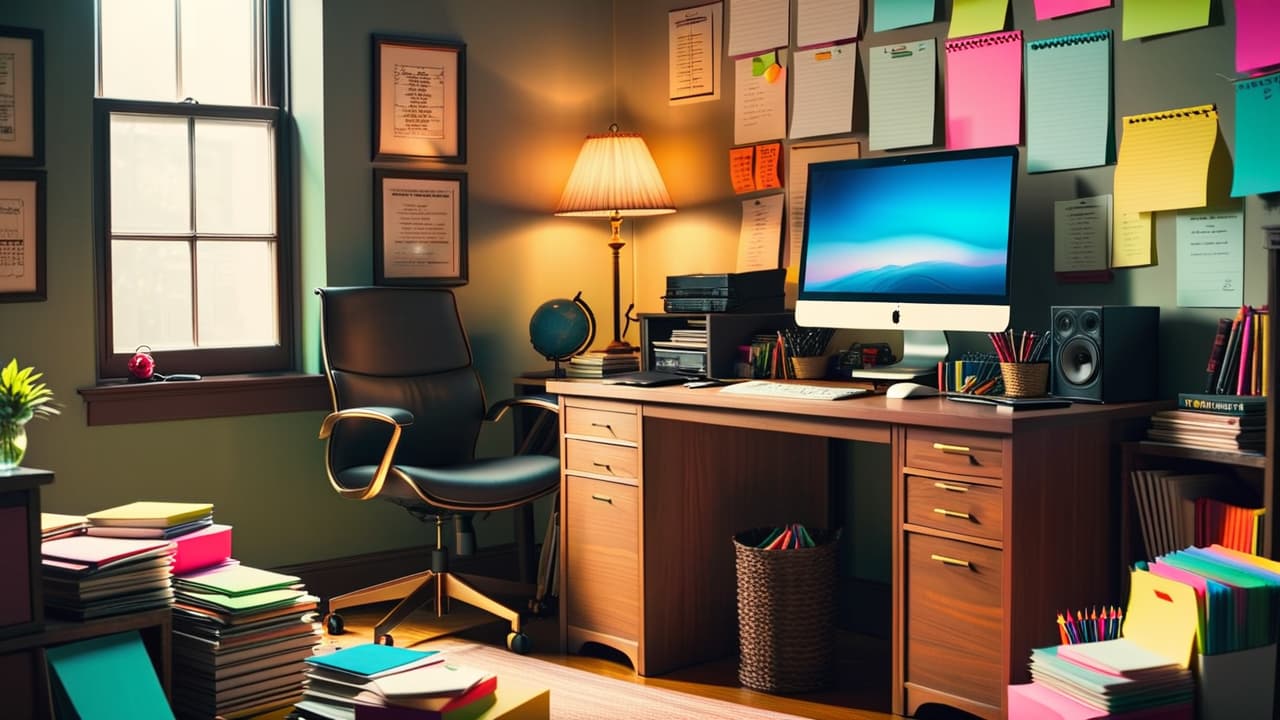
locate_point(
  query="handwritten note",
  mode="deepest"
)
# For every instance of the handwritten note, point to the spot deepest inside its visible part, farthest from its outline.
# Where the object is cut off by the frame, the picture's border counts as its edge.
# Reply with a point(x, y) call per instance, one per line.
point(1082, 234)
point(693, 53)
point(1143, 18)
point(803, 155)
point(1133, 244)
point(975, 17)
point(1210, 258)
point(1068, 101)
point(758, 25)
point(1257, 34)
point(822, 91)
point(901, 94)
point(984, 90)
point(741, 169)
point(761, 233)
point(1046, 9)
point(759, 104)
point(1164, 159)
point(820, 22)
point(1257, 157)
point(766, 162)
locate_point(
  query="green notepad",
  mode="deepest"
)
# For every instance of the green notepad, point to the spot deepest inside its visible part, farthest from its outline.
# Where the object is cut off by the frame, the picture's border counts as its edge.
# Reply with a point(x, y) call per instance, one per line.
point(244, 603)
point(236, 580)
point(108, 677)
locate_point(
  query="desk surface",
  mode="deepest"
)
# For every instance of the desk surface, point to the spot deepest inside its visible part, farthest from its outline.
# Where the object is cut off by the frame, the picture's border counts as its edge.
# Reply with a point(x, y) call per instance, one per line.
point(874, 409)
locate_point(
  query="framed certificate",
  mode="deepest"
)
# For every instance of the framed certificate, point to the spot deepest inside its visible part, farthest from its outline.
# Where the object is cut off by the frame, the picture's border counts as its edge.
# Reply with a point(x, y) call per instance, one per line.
point(419, 228)
point(419, 99)
point(21, 97)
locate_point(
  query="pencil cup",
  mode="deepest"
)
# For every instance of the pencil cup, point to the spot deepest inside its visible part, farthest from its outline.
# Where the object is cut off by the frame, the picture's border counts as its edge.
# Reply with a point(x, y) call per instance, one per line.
point(809, 367)
point(1025, 379)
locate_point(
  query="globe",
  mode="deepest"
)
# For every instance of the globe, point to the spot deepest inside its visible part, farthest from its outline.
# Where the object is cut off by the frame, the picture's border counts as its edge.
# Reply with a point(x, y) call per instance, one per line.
point(561, 328)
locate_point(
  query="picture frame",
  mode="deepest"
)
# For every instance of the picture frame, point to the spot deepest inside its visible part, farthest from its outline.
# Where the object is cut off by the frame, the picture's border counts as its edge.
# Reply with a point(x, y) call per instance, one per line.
point(21, 97)
point(419, 102)
point(22, 235)
point(419, 227)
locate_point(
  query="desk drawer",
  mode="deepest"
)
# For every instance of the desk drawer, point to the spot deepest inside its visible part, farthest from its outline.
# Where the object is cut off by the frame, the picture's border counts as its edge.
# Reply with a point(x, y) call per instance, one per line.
point(955, 452)
point(602, 564)
point(597, 458)
point(955, 506)
point(953, 616)
point(604, 424)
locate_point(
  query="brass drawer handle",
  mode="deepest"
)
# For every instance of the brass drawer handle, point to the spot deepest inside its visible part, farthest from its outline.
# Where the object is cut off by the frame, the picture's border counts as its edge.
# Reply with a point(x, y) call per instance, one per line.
point(949, 487)
point(953, 514)
point(605, 426)
point(602, 498)
point(606, 466)
point(946, 448)
point(951, 561)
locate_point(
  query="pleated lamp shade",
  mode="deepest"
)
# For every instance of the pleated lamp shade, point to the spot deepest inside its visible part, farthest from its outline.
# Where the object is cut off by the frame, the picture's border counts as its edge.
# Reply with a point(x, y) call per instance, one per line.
point(615, 174)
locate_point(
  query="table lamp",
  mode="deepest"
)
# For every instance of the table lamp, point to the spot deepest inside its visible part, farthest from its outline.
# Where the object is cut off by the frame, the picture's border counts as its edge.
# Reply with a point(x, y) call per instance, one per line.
point(615, 177)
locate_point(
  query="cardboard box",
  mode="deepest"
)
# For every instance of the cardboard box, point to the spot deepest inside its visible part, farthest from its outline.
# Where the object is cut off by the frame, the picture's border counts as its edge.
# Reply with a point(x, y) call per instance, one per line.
point(1236, 686)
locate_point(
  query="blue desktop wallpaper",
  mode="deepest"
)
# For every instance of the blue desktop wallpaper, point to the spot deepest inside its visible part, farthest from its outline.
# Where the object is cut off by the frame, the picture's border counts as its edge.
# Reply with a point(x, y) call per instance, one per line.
point(933, 228)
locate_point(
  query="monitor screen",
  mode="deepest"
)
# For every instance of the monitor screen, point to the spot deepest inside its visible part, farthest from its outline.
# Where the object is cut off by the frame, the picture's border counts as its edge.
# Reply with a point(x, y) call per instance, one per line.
point(909, 242)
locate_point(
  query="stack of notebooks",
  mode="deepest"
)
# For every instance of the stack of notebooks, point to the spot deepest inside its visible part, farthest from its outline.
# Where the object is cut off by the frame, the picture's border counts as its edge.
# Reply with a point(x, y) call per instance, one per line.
point(57, 525)
point(380, 682)
point(599, 364)
point(241, 636)
point(1144, 674)
point(1213, 422)
point(89, 577)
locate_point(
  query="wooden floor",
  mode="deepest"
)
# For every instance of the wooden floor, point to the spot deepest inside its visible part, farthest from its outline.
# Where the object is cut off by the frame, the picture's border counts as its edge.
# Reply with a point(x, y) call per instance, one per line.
point(862, 691)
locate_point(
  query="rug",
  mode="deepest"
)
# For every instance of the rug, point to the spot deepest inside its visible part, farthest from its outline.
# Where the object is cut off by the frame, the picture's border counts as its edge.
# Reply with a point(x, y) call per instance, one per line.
point(580, 695)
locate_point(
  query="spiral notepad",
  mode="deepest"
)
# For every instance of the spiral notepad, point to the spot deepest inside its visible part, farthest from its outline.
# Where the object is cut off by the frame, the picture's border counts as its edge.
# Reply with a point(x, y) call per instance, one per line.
point(1257, 156)
point(1164, 159)
point(984, 90)
point(900, 94)
point(1068, 101)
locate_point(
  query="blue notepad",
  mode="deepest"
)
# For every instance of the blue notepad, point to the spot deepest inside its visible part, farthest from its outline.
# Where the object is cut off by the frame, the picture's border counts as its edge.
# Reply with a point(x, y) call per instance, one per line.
point(371, 661)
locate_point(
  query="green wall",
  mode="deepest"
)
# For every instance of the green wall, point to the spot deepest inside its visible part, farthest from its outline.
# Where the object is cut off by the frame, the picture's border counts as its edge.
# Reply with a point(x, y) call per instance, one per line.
point(540, 77)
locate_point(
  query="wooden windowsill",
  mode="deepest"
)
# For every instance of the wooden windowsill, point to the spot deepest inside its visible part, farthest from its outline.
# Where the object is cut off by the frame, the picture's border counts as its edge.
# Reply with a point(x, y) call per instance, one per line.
point(120, 403)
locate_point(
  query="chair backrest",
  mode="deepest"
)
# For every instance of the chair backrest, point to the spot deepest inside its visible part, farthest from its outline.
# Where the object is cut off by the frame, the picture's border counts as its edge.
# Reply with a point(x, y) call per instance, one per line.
point(405, 348)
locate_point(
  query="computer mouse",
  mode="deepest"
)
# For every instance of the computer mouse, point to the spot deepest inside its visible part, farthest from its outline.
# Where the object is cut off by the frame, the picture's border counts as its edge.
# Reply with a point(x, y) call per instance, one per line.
point(904, 390)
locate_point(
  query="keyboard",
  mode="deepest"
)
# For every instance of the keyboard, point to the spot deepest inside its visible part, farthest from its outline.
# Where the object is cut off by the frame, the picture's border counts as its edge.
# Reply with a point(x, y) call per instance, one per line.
point(792, 391)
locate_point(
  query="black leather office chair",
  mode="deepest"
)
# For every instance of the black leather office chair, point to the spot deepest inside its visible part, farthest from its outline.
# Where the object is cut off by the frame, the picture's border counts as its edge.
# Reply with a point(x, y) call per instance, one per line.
point(407, 411)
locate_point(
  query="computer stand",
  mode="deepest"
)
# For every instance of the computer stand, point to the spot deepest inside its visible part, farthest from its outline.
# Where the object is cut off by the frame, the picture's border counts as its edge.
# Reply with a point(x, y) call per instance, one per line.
point(922, 350)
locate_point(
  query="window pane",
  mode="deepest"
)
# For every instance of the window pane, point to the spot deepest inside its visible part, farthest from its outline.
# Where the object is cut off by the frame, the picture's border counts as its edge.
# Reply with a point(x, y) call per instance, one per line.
point(237, 293)
point(151, 295)
point(235, 177)
point(219, 52)
point(150, 175)
point(137, 43)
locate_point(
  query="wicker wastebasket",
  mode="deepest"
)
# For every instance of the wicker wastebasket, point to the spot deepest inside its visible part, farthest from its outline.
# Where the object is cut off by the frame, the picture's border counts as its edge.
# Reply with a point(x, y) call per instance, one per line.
point(786, 613)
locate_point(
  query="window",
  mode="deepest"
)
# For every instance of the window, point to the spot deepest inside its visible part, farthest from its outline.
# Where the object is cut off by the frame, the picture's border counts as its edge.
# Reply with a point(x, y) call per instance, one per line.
point(191, 170)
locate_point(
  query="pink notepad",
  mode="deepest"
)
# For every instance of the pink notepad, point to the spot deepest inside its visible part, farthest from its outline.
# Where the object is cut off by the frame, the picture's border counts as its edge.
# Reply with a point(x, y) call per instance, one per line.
point(201, 549)
point(984, 90)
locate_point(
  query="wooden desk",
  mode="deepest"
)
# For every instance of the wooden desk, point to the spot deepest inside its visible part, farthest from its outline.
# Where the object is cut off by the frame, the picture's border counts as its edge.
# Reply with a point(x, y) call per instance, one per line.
point(1000, 521)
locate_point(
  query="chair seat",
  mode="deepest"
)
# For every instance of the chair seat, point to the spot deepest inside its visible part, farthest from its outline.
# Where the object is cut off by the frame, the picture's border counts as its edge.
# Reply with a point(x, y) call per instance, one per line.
point(483, 484)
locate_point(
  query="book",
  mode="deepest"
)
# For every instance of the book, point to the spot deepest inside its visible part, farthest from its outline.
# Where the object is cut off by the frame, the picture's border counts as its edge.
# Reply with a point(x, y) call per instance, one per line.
point(370, 660)
point(167, 533)
point(1224, 404)
point(56, 525)
point(235, 581)
point(202, 549)
point(1230, 355)
point(152, 514)
point(1195, 418)
point(93, 552)
point(1216, 353)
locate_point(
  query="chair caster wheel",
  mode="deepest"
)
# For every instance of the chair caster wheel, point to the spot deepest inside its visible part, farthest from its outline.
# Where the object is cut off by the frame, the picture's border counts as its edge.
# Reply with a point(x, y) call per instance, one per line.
point(519, 643)
point(386, 640)
point(333, 624)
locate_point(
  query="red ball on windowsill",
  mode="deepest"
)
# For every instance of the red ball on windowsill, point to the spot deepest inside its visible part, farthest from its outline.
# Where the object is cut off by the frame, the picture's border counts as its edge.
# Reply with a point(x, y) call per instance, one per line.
point(142, 366)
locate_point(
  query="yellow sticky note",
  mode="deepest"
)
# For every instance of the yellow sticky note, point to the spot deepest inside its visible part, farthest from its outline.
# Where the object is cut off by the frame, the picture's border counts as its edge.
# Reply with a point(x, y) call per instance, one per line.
point(1162, 616)
point(1132, 241)
point(1164, 157)
point(976, 17)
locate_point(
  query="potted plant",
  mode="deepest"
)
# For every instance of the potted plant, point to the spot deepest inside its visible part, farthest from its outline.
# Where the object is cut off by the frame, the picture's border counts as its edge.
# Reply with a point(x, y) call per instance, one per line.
point(22, 397)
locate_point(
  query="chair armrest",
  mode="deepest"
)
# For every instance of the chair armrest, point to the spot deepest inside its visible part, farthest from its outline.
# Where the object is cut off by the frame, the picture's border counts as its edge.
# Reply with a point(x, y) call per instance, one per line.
point(390, 415)
point(540, 401)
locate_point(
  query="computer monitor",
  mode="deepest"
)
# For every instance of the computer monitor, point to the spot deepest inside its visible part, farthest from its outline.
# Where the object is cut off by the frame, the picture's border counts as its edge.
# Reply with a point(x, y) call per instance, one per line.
point(918, 243)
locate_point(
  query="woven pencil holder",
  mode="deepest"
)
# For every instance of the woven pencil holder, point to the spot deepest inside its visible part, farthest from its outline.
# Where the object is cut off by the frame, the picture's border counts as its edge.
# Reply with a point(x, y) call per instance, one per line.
point(786, 613)
point(809, 367)
point(1025, 379)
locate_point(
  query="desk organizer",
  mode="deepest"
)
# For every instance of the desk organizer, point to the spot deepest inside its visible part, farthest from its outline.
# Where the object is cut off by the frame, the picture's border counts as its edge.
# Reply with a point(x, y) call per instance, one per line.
point(1025, 379)
point(786, 613)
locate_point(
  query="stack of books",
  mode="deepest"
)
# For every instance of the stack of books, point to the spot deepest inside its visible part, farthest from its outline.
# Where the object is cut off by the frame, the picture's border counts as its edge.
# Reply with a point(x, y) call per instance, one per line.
point(57, 525)
point(380, 682)
point(150, 519)
point(599, 364)
point(1177, 510)
point(241, 636)
point(1238, 355)
point(1213, 422)
point(88, 577)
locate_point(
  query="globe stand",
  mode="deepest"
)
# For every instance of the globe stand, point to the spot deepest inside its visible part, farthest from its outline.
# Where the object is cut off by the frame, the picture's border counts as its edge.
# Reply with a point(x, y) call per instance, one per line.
point(557, 310)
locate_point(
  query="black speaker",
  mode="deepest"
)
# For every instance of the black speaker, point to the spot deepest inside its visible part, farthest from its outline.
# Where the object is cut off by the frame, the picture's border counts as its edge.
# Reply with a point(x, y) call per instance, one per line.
point(1105, 353)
